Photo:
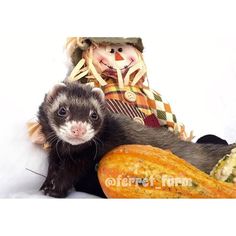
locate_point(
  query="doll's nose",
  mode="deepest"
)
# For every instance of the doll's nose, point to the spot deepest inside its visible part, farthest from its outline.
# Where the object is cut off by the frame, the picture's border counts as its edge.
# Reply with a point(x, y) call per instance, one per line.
point(118, 57)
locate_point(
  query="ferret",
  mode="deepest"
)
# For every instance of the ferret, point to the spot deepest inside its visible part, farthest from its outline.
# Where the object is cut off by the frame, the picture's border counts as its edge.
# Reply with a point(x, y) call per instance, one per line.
point(80, 131)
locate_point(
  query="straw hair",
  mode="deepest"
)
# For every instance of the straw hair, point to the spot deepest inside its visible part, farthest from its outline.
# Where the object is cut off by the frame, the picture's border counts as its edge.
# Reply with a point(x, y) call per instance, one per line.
point(86, 68)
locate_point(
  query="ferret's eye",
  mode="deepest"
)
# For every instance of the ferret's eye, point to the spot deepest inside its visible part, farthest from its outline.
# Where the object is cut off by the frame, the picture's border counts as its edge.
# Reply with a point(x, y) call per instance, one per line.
point(62, 112)
point(112, 50)
point(94, 116)
point(120, 49)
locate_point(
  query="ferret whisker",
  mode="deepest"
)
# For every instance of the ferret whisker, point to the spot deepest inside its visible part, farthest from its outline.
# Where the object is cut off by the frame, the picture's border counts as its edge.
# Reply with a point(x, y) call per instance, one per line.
point(69, 151)
point(51, 135)
point(58, 141)
point(52, 139)
point(96, 150)
point(98, 140)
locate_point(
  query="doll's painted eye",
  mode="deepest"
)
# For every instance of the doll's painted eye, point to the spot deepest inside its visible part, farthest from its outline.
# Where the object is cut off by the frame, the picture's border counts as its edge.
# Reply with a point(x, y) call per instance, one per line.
point(112, 50)
point(120, 49)
point(62, 112)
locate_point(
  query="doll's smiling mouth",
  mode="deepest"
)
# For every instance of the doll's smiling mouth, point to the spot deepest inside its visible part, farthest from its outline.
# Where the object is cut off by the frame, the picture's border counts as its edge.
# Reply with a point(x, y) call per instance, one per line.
point(112, 68)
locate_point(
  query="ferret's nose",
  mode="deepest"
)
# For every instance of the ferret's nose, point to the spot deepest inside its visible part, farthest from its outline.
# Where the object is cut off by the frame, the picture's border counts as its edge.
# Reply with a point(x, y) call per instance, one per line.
point(78, 130)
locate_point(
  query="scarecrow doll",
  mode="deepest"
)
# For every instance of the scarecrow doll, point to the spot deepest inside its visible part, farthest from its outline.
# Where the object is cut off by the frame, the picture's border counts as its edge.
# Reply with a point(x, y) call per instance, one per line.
point(116, 65)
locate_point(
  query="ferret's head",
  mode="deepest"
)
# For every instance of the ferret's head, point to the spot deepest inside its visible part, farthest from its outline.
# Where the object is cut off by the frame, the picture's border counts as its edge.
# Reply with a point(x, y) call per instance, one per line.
point(75, 112)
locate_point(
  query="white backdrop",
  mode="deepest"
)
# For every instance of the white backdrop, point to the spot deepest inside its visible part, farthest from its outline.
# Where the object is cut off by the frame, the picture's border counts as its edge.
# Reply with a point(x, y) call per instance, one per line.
point(190, 52)
point(190, 56)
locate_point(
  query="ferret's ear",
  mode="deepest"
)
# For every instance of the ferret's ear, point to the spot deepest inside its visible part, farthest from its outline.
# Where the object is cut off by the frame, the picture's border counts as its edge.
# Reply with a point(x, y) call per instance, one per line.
point(54, 92)
point(99, 94)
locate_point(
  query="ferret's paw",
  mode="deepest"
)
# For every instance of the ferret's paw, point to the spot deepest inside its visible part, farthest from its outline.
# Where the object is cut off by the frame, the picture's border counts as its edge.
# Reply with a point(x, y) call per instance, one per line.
point(48, 184)
point(49, 189)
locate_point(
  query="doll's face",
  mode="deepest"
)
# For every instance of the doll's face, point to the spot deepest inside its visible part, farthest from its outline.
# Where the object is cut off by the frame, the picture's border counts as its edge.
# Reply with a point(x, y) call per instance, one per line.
point(108, 58)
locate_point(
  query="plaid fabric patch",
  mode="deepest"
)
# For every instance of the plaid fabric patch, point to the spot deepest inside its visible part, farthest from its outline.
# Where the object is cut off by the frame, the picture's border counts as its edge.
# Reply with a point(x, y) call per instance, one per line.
point(121, 107)
point(161, 108)
point(147, 101)
point(112, 91)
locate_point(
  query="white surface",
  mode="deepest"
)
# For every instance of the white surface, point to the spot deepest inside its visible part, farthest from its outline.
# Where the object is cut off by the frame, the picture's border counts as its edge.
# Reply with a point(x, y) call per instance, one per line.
point(190, 52)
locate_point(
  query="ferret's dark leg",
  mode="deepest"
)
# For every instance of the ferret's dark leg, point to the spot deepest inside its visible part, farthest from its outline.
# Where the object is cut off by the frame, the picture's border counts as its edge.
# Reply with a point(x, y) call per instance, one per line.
point(48, 184)
point(60, 177)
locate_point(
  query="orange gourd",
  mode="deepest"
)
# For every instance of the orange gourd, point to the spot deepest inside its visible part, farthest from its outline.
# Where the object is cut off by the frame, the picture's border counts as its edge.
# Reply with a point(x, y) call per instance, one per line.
point(137, 171)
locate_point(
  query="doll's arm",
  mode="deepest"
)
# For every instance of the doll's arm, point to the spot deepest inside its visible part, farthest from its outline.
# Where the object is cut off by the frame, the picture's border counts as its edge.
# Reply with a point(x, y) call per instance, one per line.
point(35, 134)
point(165, 115)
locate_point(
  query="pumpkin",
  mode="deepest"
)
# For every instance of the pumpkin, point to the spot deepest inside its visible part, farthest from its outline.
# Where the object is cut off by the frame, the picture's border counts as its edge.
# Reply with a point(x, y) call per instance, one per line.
point(137, 171)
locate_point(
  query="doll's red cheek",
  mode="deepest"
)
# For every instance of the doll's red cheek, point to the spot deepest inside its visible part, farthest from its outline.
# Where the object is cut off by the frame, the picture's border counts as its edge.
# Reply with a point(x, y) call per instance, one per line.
point(100, 59)
point(132, 59)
